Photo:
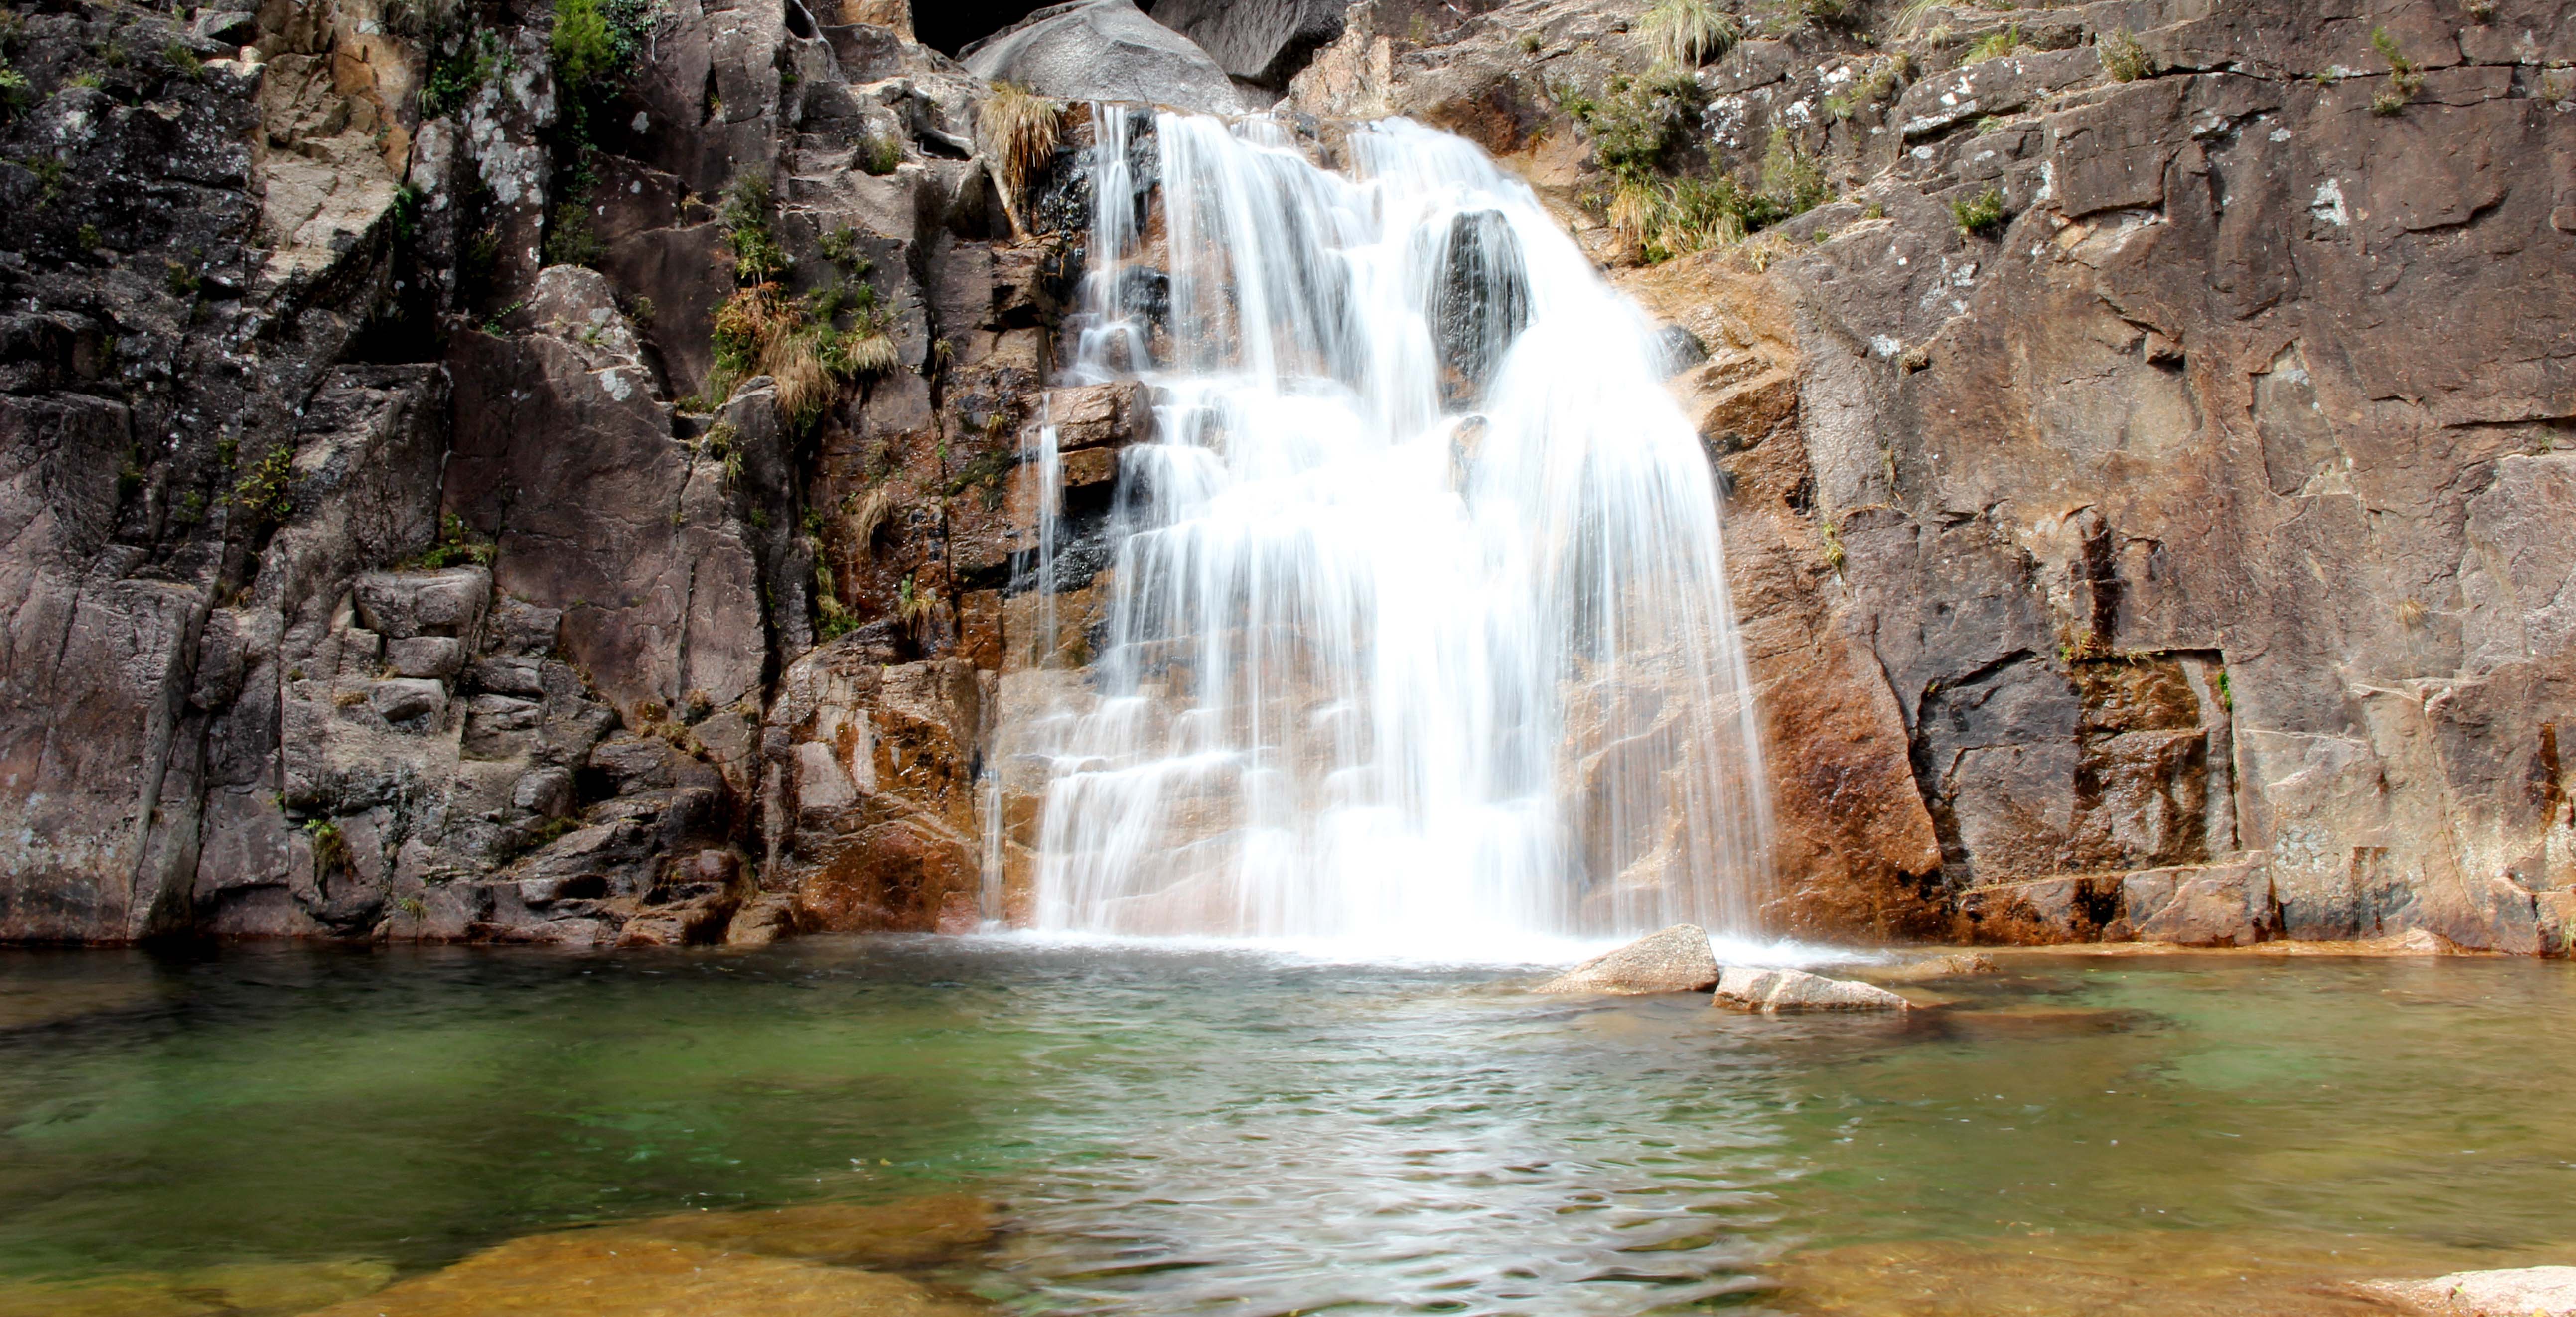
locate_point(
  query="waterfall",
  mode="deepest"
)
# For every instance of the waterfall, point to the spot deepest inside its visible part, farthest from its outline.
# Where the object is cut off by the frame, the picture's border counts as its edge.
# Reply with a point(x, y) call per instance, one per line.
point(1417, 627)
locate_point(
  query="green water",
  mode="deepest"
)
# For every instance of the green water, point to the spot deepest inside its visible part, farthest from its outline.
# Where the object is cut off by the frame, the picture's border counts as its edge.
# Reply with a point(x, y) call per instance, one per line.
point(1203, 1131)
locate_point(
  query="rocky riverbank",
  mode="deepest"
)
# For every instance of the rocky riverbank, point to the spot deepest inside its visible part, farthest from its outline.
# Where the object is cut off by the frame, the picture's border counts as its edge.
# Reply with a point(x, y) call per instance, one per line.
point(475, 475)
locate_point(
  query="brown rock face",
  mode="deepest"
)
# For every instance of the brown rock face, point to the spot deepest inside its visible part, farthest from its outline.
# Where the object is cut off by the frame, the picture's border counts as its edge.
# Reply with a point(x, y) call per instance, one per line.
point(870, 790)
point(2182, 524)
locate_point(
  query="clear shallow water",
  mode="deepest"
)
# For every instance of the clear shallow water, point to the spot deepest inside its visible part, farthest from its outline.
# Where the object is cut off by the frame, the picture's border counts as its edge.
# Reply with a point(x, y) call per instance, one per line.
point(1209, 1131)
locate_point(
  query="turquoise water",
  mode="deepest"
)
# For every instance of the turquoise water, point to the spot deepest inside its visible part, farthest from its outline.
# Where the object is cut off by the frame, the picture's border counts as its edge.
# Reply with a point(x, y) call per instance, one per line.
point(1205, 1131)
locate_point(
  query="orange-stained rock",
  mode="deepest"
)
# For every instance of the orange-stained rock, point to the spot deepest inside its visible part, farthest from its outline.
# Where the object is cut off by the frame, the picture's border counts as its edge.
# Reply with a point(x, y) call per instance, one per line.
point(1852, 843)
point(623, 1273)
point(870, 793)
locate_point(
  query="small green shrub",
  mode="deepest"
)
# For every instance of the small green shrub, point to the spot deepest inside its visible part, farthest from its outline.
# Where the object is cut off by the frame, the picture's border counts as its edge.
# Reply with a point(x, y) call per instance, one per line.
point(2123, 58)
point(911, 605)
point(1994, 45)
point(330, 849)
point(570, 238)
point(1635, 124)
point(880, 155)
point(1792, 178)
point(1982, 215)
point(1866, 91)
point(456, 75)
point(456, 546)
point(548, 831)
point(2404, 78)
point(757, 257)
point(584, 49)
point(266, 493)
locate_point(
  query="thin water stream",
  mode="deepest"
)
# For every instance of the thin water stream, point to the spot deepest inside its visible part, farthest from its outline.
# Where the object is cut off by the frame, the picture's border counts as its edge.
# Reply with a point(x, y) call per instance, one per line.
point(1203, 1130)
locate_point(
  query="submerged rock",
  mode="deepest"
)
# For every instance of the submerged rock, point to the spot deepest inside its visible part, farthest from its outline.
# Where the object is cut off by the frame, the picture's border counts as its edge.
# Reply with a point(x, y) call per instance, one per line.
point(1104, 50)
point(1772, 990)
point(2516, 1292)
point(1957, 965)
point(1674, 960)
point(614, 1272)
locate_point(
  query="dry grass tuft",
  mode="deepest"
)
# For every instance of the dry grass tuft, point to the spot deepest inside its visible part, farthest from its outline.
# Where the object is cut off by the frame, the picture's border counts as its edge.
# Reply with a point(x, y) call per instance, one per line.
point(869, 356)
point(871, 516)
point(1019, 129)
point(1688, 33)
point(795, 363)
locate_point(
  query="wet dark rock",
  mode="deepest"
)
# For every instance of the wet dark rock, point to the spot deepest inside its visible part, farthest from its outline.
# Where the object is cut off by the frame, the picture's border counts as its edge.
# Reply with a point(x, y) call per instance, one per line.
point(1479, 303)
point(1679, 348)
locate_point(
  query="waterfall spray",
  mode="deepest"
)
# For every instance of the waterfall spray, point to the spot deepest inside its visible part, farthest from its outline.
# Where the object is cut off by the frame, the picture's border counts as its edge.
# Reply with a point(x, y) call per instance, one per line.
point(1418, 629)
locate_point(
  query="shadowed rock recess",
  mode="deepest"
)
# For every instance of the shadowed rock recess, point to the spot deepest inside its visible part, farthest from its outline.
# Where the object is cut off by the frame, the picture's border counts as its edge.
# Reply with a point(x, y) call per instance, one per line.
point(556, 473)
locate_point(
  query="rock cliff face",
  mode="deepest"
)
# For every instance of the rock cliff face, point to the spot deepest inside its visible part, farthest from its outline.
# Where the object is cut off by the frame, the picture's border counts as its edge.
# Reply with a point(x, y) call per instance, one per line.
point(2139, 459)
point(450, 491)
point(402, 542)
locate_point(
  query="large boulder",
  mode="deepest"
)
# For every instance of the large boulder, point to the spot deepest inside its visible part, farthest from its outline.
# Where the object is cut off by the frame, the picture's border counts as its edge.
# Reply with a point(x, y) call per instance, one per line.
point(1261, 41)
point(1770, 991)
point(1674, 960)
point(1104, 50)
point(2516, 1292)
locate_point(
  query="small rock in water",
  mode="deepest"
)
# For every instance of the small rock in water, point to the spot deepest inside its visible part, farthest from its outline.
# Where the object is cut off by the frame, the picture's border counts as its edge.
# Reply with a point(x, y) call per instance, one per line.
point(1771, 990)
point(1957, 965)
point(2518, 1292)
point(1675, 960)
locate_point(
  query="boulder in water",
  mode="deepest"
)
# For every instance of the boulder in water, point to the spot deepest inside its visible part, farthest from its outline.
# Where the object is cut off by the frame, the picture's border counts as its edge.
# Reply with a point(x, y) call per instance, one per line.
point(1478, 302)
point(2515, 1292)
point(1746, 988)
point(1104, 50)
point(1674, 960)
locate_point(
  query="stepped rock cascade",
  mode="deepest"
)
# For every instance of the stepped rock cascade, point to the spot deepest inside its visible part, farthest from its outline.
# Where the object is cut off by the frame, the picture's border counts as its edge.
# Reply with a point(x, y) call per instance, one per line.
point(1418, 630)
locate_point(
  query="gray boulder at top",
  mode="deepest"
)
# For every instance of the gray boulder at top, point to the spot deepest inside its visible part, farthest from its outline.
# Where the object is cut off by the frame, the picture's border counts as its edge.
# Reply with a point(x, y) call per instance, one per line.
point(1104, 50)
point(1674, 960)
point(1263, 41)
point(1773, 990)
point(2518, 1292)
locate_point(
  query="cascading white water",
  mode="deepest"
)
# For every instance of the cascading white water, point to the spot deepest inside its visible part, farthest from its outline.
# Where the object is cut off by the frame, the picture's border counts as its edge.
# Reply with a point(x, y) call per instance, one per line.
point(1419, 631)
